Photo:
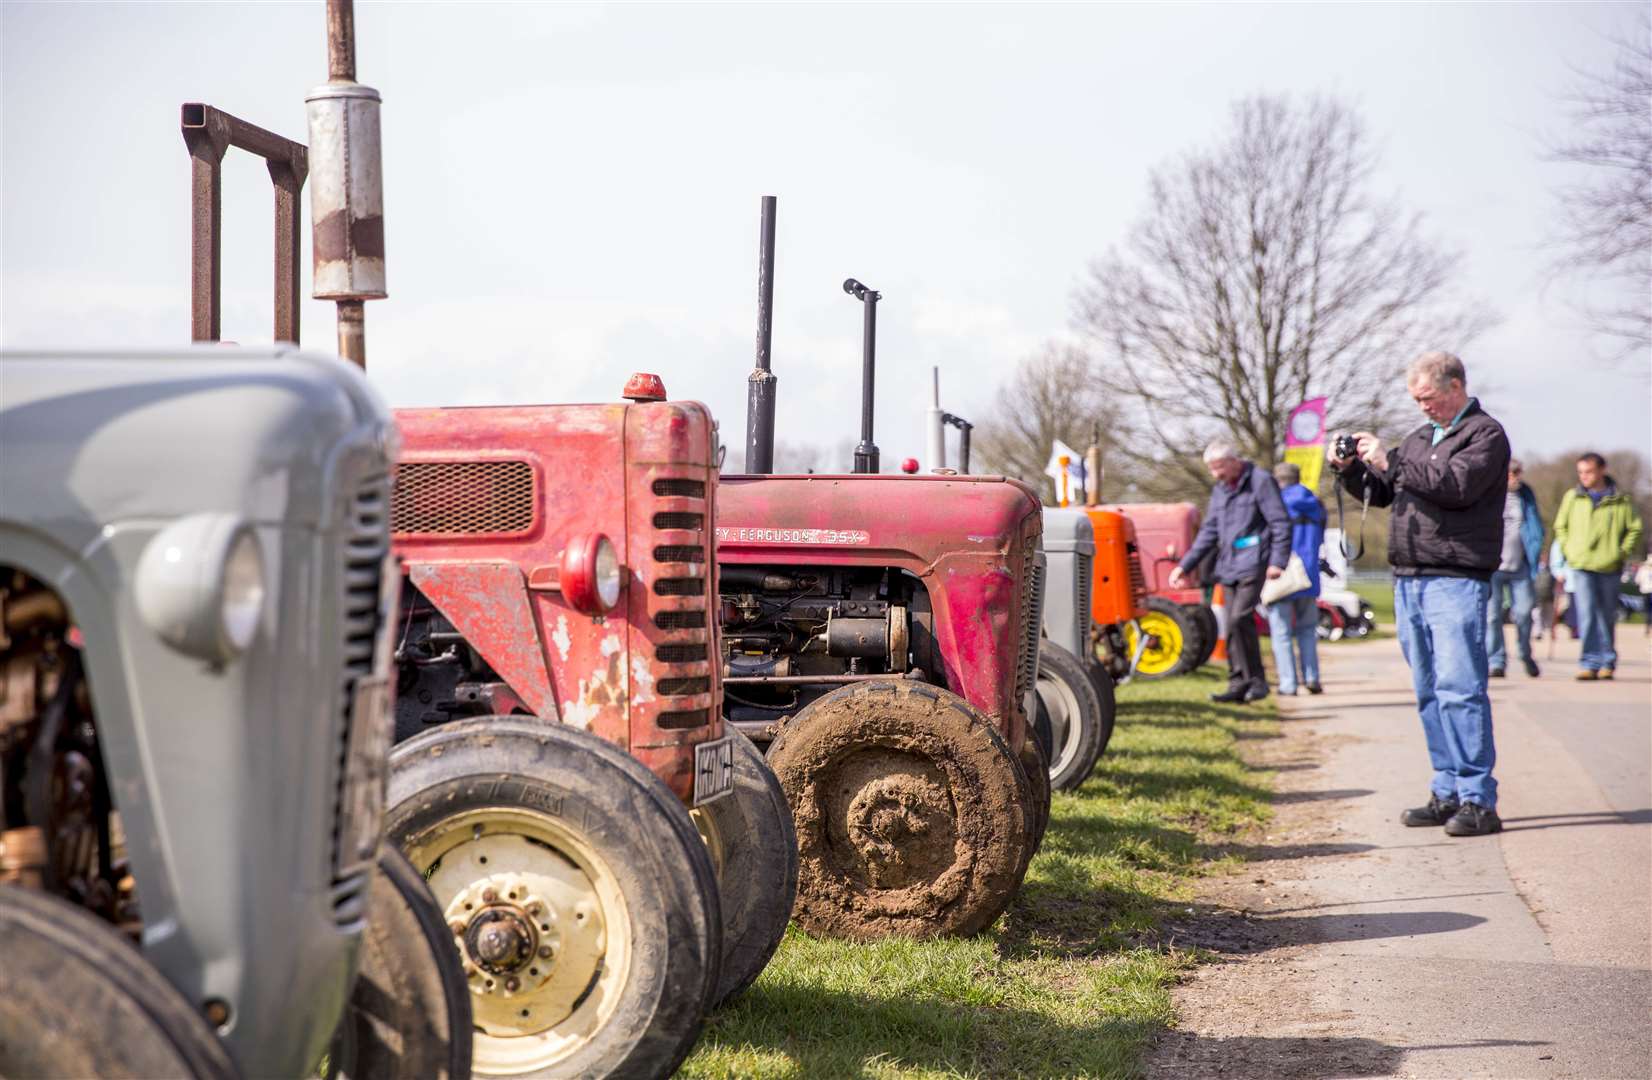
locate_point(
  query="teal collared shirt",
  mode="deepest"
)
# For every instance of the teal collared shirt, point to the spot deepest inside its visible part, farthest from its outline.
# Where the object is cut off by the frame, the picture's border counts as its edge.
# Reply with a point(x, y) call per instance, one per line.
point(1442, 432)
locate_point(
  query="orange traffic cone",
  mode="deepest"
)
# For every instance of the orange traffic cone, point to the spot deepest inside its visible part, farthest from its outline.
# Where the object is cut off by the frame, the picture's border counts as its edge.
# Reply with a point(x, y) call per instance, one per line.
point(1218, 604)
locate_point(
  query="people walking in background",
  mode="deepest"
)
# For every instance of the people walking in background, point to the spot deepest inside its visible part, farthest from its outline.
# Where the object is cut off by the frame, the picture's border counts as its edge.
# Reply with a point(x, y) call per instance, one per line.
point(1446, 483)
point(1515, 574)
point(1294, 620)
point(1247, 526)
point(1565, 605)
point(1643, 582)
point(1543, 585)
point(1598, 531)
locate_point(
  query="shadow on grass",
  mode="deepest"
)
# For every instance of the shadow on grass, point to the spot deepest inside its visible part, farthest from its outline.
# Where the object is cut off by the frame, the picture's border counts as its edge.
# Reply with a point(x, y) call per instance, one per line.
point(857, 1034)
point(1251, 1057)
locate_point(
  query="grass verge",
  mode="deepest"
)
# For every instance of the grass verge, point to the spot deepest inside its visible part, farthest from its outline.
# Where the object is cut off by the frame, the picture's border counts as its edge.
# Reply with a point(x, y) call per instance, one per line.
point(1073, 981)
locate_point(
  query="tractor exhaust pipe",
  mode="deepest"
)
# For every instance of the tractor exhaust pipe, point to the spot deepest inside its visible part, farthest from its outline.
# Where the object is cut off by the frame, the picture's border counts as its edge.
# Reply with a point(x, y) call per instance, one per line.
point(760, 384)
point(346, 187)
point(935, 424)
point(866, 454)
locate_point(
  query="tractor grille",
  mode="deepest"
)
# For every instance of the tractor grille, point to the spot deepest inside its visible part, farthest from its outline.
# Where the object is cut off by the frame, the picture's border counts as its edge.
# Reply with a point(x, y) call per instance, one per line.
point(680, 599)
point(463, 498)
point(1032, 618)
point(361, 613)
point(1138, 583)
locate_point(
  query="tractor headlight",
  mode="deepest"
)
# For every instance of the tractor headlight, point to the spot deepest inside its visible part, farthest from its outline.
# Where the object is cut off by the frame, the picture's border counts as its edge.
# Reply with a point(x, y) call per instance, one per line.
point(200, 585)
point(591, 575)
point(608, 574)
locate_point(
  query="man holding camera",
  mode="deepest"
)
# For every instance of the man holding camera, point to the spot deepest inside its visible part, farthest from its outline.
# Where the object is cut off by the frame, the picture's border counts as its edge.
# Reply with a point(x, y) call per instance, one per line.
point(1446, 483)
point(1248, 527)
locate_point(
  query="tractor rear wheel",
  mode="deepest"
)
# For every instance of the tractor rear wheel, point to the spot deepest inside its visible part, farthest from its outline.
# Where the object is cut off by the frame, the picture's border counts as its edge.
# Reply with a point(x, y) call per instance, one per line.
point(1036, 767)
point(78, 999)
point(753, 847)
point(1065, 690)
point(581, 895)
point(912, 812)
point(1172, 640)
point(409, 1013)
point(1204, 619)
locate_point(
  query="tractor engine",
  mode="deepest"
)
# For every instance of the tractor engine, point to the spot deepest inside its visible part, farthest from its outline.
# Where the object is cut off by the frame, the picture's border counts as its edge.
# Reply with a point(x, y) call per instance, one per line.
point(58, 830)
point(791, 634)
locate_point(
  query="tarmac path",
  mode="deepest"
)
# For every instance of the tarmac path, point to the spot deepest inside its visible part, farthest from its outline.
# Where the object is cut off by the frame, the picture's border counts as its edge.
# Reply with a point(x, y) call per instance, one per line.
point(1371, 949)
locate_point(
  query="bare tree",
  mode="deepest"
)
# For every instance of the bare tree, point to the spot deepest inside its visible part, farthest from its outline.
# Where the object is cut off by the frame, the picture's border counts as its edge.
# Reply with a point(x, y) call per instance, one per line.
point(1056, 394)
point(1264, 272)
point(1606, 216)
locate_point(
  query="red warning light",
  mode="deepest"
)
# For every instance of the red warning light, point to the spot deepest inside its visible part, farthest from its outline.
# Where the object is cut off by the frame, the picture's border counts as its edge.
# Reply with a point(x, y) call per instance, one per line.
point(910, 465)
point(644, 387)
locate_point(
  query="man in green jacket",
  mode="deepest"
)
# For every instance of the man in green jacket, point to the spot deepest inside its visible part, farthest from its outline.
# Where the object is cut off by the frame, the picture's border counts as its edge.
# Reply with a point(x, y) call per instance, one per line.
point(1598, 531)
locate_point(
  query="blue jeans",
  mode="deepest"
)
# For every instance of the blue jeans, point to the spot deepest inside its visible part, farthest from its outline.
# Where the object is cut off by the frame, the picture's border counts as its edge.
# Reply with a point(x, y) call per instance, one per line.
point(1597, 617)
point(1295, 619)
point(1442, 627)
point(1523, 599)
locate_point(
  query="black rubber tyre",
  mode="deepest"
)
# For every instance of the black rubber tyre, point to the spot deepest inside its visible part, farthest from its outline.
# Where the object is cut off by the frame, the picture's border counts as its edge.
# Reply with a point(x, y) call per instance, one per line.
point(1042, 730)
point(78, 999)
point(1204, 620)
point(409, 1013)
point(1068, 696)
point(912, 812)
point(1037, 769)
point(754, 849)
point(1107, 694)
point(542, 841)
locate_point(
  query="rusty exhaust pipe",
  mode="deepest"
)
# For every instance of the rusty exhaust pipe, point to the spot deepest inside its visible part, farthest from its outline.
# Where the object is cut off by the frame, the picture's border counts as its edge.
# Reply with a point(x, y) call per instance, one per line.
point(347, 187)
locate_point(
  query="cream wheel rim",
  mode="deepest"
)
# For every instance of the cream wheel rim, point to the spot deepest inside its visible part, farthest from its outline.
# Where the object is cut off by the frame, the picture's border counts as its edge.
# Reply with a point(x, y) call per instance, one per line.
point(1066, 721)
point(542, 927)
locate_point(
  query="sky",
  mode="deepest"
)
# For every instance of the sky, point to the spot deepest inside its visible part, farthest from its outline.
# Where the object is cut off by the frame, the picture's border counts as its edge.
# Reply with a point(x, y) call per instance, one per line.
point(572, 191)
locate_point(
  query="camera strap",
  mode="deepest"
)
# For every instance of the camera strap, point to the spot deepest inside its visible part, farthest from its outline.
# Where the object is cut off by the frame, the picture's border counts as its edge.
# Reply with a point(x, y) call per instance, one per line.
point(1342, 526)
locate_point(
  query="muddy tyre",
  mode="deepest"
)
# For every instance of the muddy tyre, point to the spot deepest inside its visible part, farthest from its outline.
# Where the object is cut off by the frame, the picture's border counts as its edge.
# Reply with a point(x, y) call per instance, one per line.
point(578, 889)
point(78, 999)
point(911, 811)
point(1076, 720)
point(754, 850)
point(1036, 767)
point(1204, 620)
point(409, 1013)
point(1172, 648)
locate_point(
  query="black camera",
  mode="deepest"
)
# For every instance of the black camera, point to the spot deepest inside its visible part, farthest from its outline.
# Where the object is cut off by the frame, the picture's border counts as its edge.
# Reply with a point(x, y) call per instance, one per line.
point(1346, 447)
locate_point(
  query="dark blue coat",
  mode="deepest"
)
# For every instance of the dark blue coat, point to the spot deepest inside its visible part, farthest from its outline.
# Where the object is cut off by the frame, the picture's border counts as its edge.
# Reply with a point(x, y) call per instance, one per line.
point(1251, 508)
point(1307, 529)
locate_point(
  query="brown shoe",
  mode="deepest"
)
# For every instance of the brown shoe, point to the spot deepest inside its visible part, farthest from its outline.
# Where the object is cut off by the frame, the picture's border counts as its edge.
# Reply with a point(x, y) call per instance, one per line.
point(1585, 675)
point(1606, 673)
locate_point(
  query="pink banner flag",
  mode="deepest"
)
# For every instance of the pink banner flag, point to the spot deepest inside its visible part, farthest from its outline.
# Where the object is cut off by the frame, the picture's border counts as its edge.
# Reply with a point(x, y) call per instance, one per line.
point(1306, 426)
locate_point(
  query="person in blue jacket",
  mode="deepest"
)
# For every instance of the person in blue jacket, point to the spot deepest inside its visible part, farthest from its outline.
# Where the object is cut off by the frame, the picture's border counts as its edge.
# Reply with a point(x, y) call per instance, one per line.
point(1515, 575)
point(1294, 620)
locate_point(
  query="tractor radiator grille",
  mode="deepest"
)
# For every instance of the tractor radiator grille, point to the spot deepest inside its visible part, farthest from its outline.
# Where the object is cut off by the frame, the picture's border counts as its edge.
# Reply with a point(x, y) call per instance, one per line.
point(366, 543)
point(1138, 583)
point(1032, 617)
point(463, 498)
point(1084, 571)
point(680, 601)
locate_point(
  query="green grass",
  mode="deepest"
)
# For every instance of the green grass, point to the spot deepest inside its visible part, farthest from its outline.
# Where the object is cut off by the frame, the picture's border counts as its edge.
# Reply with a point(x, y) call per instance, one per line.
point(1073, 981)
point(1380, 595)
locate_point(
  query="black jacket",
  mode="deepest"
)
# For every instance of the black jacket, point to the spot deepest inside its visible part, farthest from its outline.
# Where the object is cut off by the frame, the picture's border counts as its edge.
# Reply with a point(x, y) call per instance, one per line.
point(1447, 499)
point(1252, 508)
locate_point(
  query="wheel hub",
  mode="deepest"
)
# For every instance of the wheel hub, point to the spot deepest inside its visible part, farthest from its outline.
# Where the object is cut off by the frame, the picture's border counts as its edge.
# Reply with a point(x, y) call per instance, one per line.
point(501, 939)
point(900, 824)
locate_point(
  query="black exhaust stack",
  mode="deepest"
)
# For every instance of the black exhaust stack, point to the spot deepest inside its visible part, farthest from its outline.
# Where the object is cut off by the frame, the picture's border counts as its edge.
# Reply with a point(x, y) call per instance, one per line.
point(760, 384)
point(866, 454)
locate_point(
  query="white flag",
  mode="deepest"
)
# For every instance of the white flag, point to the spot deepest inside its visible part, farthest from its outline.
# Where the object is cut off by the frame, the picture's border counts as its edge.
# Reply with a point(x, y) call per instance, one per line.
point(1075, 472)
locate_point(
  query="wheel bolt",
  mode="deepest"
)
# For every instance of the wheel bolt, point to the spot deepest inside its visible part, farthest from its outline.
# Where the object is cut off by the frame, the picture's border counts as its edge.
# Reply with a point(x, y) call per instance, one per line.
point(489, 896)
point(535, 908)
point(457, 927)
point(545, 952)
point(512, 984)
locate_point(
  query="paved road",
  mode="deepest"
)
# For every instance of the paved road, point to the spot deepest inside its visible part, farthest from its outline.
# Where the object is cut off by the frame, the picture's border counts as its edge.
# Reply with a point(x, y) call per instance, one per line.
point(1404, 952)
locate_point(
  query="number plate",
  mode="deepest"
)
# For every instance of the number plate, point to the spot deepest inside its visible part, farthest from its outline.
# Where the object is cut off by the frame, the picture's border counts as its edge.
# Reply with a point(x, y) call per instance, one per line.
point(713, 769)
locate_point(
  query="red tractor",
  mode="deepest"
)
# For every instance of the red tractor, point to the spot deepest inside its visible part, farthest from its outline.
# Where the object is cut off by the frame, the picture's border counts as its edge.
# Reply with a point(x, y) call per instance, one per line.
point(612, 863)
point(880, 634)
point(1179, 624)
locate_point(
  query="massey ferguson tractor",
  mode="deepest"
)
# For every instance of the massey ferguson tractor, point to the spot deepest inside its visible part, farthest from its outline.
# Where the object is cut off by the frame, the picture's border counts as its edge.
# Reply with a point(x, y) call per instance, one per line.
point(880, 635)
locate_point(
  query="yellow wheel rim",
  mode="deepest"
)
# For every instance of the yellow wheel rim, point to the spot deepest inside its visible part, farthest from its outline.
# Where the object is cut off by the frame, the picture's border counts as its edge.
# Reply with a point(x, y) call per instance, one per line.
point(541, 882)
point(1164, 646)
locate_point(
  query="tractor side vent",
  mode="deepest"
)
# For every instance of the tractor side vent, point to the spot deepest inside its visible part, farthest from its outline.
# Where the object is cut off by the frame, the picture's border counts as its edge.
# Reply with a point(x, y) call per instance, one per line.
point(680, 489)
point(680, 654)
point(688, 718)
point(463, 498)
point(679, 553)
point(680, 620)
point(673, 520)
point(680, 586)
point(698, 684)
point(1138, 582)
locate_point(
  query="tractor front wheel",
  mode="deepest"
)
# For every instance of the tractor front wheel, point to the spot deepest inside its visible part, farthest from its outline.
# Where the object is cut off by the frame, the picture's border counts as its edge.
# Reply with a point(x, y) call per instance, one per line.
point(1076, 721)
point(1204, 620)
point(912, 812)
point(1172, 640)
point(753, 847)
point(577, 889)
